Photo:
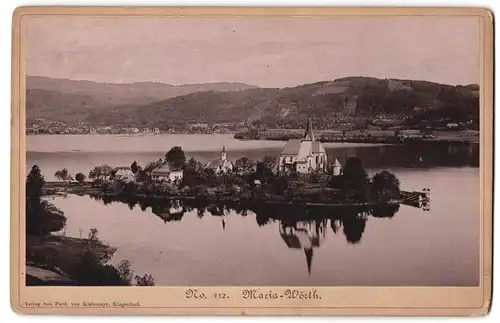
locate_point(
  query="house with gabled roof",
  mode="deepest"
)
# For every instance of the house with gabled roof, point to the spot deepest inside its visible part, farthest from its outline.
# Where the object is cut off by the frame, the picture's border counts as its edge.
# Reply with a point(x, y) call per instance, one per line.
point(167, 172)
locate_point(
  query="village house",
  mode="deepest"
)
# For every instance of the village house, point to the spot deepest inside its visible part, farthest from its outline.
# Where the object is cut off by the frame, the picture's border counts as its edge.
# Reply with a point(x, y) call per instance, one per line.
point(222, 164)
point(304, 155)
point(167, 172)
point(123, 173)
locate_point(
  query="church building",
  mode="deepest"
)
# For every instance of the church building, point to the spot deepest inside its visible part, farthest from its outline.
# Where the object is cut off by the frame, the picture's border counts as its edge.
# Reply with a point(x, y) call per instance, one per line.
point(304, 155)
point(222, 164)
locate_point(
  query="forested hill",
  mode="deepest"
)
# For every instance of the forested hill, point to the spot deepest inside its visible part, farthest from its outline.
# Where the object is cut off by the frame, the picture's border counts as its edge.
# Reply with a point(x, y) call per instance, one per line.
point(68, 100)
point(326, 101)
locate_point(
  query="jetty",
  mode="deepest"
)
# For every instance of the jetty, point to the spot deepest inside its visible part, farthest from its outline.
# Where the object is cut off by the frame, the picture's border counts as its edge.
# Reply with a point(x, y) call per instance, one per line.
point(417, 199)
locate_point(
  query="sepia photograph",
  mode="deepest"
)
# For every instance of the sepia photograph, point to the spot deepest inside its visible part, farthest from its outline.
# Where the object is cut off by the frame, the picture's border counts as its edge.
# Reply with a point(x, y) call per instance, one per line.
point(248, 158)
point(252, 151)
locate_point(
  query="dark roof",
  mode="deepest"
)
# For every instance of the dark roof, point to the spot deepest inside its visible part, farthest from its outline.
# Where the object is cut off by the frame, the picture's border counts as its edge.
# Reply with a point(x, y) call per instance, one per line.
point(317, 147)
point(215, 163)
point(121, 167)
point(292, 147)
point(165, 168)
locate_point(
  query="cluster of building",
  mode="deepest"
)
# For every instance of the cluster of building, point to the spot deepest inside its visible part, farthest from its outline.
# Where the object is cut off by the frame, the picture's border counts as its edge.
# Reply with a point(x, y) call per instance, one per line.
point(57, 128)
point(304, 155)
point(168, 172)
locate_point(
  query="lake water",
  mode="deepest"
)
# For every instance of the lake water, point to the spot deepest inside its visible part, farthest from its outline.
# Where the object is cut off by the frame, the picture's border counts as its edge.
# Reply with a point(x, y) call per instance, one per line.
point(414, 247)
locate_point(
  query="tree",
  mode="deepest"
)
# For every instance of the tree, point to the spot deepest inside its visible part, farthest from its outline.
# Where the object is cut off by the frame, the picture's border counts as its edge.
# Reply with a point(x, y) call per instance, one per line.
point(260, 170)
point(58, 175)
point(385, 186)
point(355, 175)
point(152, 165)
point(93, 234)
point(34, 183)
point(244, 165)
point(193, 165)
point(100, 171)
point(42, 217)
point(92, 271)
point(124, 270)
point(134, 167)
point(269, 162)
point(80, 177)
point(176, 156)
point(146, 280)
point(62, 174)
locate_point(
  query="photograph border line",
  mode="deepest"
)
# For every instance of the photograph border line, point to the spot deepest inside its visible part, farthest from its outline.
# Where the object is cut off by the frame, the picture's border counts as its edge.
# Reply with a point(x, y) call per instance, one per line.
point(486, 127)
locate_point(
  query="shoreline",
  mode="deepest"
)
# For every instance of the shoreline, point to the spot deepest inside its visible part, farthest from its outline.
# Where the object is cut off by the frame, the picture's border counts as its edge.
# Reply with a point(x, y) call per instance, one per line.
point(58, 190)
point(364, 136)
point(384, 140)
point(51, 259)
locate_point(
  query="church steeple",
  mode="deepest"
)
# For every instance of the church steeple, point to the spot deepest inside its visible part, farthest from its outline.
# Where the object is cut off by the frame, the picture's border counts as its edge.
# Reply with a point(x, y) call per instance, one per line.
point(309, 135)
point(223, 153)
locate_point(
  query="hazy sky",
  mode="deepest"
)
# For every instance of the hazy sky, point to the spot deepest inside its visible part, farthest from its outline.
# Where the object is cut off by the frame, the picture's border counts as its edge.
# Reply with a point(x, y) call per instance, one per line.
point(264, 52)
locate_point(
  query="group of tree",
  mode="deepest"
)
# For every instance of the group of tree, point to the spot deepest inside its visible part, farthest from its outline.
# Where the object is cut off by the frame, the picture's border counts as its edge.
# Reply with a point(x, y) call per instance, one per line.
point(92, 270)
point(356, 185)
point(42, 217)
point(353, 184)
point(100, 172)
point(64, 175)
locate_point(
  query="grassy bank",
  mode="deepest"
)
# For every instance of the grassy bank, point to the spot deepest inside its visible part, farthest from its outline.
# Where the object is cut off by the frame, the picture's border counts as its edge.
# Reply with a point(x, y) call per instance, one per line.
point(61, 255)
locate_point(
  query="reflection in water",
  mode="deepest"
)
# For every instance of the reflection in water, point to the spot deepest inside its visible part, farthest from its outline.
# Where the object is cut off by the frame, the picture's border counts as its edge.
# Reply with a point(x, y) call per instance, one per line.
point(304, 235)
point(414, 156)
point(300, 227)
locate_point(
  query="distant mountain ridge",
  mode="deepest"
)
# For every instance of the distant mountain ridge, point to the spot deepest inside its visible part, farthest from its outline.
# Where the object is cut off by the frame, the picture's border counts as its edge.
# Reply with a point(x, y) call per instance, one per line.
point(324, 101)
point(236, 102)
point(77, 95)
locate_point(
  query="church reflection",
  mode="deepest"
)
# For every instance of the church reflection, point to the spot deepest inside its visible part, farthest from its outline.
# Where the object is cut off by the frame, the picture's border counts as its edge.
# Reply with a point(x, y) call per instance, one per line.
point(300, 227)
point(304, 235)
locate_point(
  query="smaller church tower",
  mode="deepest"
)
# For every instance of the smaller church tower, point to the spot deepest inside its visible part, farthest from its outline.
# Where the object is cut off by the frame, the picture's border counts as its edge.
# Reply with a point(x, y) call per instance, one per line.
point(337, 168)
point(223, 155)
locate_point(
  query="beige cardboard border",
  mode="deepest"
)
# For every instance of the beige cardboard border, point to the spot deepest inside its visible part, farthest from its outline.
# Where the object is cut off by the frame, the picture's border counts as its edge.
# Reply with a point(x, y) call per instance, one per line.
point(441, 301)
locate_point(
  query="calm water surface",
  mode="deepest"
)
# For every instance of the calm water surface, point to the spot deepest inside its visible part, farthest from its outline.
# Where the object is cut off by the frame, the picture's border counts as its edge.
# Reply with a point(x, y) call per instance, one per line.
point(414, 247)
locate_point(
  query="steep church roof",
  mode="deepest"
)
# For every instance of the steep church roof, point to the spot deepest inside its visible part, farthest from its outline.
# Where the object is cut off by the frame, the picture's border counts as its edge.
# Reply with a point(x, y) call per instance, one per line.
point(304, 150)
point(292, 147)
point(317, 147)
point(303, 147)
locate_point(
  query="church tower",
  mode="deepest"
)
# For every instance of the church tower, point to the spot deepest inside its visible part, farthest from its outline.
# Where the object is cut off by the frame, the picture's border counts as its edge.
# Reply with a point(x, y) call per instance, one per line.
point(223, 153)
point(309, 135)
